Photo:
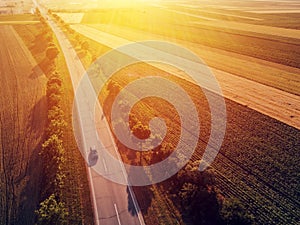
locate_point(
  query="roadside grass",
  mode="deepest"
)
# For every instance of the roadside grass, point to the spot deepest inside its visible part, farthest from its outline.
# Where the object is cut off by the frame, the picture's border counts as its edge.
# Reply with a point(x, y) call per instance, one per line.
point(77, 190)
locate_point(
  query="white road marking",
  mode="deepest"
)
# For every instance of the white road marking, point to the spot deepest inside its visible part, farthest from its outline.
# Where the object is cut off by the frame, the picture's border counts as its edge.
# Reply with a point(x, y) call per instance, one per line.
point(104, 165)
point(117, 214)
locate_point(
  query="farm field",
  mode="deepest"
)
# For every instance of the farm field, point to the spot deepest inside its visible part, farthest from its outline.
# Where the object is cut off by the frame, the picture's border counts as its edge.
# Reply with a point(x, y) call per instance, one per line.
point(23, 117)
point(271, 13)
point(260, 84)
point(267, 100)
point(252, 48)
point(251, 164)
point(13, 7)
point(18, 19)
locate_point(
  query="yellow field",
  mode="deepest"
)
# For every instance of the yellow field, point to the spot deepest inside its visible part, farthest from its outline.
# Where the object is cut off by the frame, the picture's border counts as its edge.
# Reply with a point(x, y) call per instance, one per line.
point(23, 118)
point(281, 32)
point(255, 59)
point(253, 49)
point(71, 17)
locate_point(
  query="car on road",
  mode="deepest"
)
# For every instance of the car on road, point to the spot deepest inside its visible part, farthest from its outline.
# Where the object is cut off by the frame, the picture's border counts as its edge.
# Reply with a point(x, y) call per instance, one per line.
point(93, 156)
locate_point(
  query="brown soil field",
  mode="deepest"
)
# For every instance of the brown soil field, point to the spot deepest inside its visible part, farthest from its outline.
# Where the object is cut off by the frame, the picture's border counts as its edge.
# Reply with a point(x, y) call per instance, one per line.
point(284, 11)
point(18, 18)
point(23, 117)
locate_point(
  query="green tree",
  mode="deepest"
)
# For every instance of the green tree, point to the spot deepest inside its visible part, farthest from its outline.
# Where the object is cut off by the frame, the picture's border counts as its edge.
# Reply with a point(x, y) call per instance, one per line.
point(200, 204)
point(55, 113)
point(56, 126)
point(85, 45)
point(233, 213)
point(53, 88)
point(141, 131)
point(54, 100)
point(51, 212)
point(51, 52)
point(48, 36)
point(162, 152)
point(52, 150)
point(113, 88)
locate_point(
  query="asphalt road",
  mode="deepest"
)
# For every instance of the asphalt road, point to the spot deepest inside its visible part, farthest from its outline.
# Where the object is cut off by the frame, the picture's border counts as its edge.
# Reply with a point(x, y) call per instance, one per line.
point(113, 203)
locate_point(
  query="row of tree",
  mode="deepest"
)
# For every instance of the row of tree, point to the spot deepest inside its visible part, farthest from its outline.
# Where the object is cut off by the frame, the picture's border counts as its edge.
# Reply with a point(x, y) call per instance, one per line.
point(44, 44)
point(76, 37)
point(52, 209)
point(201, 202)
point(63, 200)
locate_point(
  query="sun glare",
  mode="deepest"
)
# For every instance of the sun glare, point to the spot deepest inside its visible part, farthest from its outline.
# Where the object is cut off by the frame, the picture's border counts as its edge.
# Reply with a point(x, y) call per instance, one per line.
point(117, 3)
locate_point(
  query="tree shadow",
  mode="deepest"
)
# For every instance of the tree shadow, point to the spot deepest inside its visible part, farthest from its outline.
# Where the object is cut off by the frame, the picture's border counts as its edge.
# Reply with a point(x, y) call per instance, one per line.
point(131, 207)
point(36, 72)
point(30, 195)
point(142, 195)
point(32, 175)
point(39, 44)
point(37, 117)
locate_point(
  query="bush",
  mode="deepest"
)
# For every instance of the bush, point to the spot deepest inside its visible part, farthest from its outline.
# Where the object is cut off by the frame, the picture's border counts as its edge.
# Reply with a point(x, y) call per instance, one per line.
point(52, 52)
point(56, 126)
point(54, 79)
point(85, 45)
point(51, 212)
point(53, 100)
point(233, 213)
point(55, 113)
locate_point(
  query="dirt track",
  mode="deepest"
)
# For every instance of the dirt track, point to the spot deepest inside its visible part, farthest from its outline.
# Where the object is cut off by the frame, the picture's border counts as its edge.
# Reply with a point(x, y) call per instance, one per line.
point(22, 119)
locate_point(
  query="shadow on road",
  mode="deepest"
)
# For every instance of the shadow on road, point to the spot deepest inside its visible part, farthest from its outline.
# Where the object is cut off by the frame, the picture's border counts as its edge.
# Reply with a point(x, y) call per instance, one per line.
point(143, 197)
point(131, 207)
